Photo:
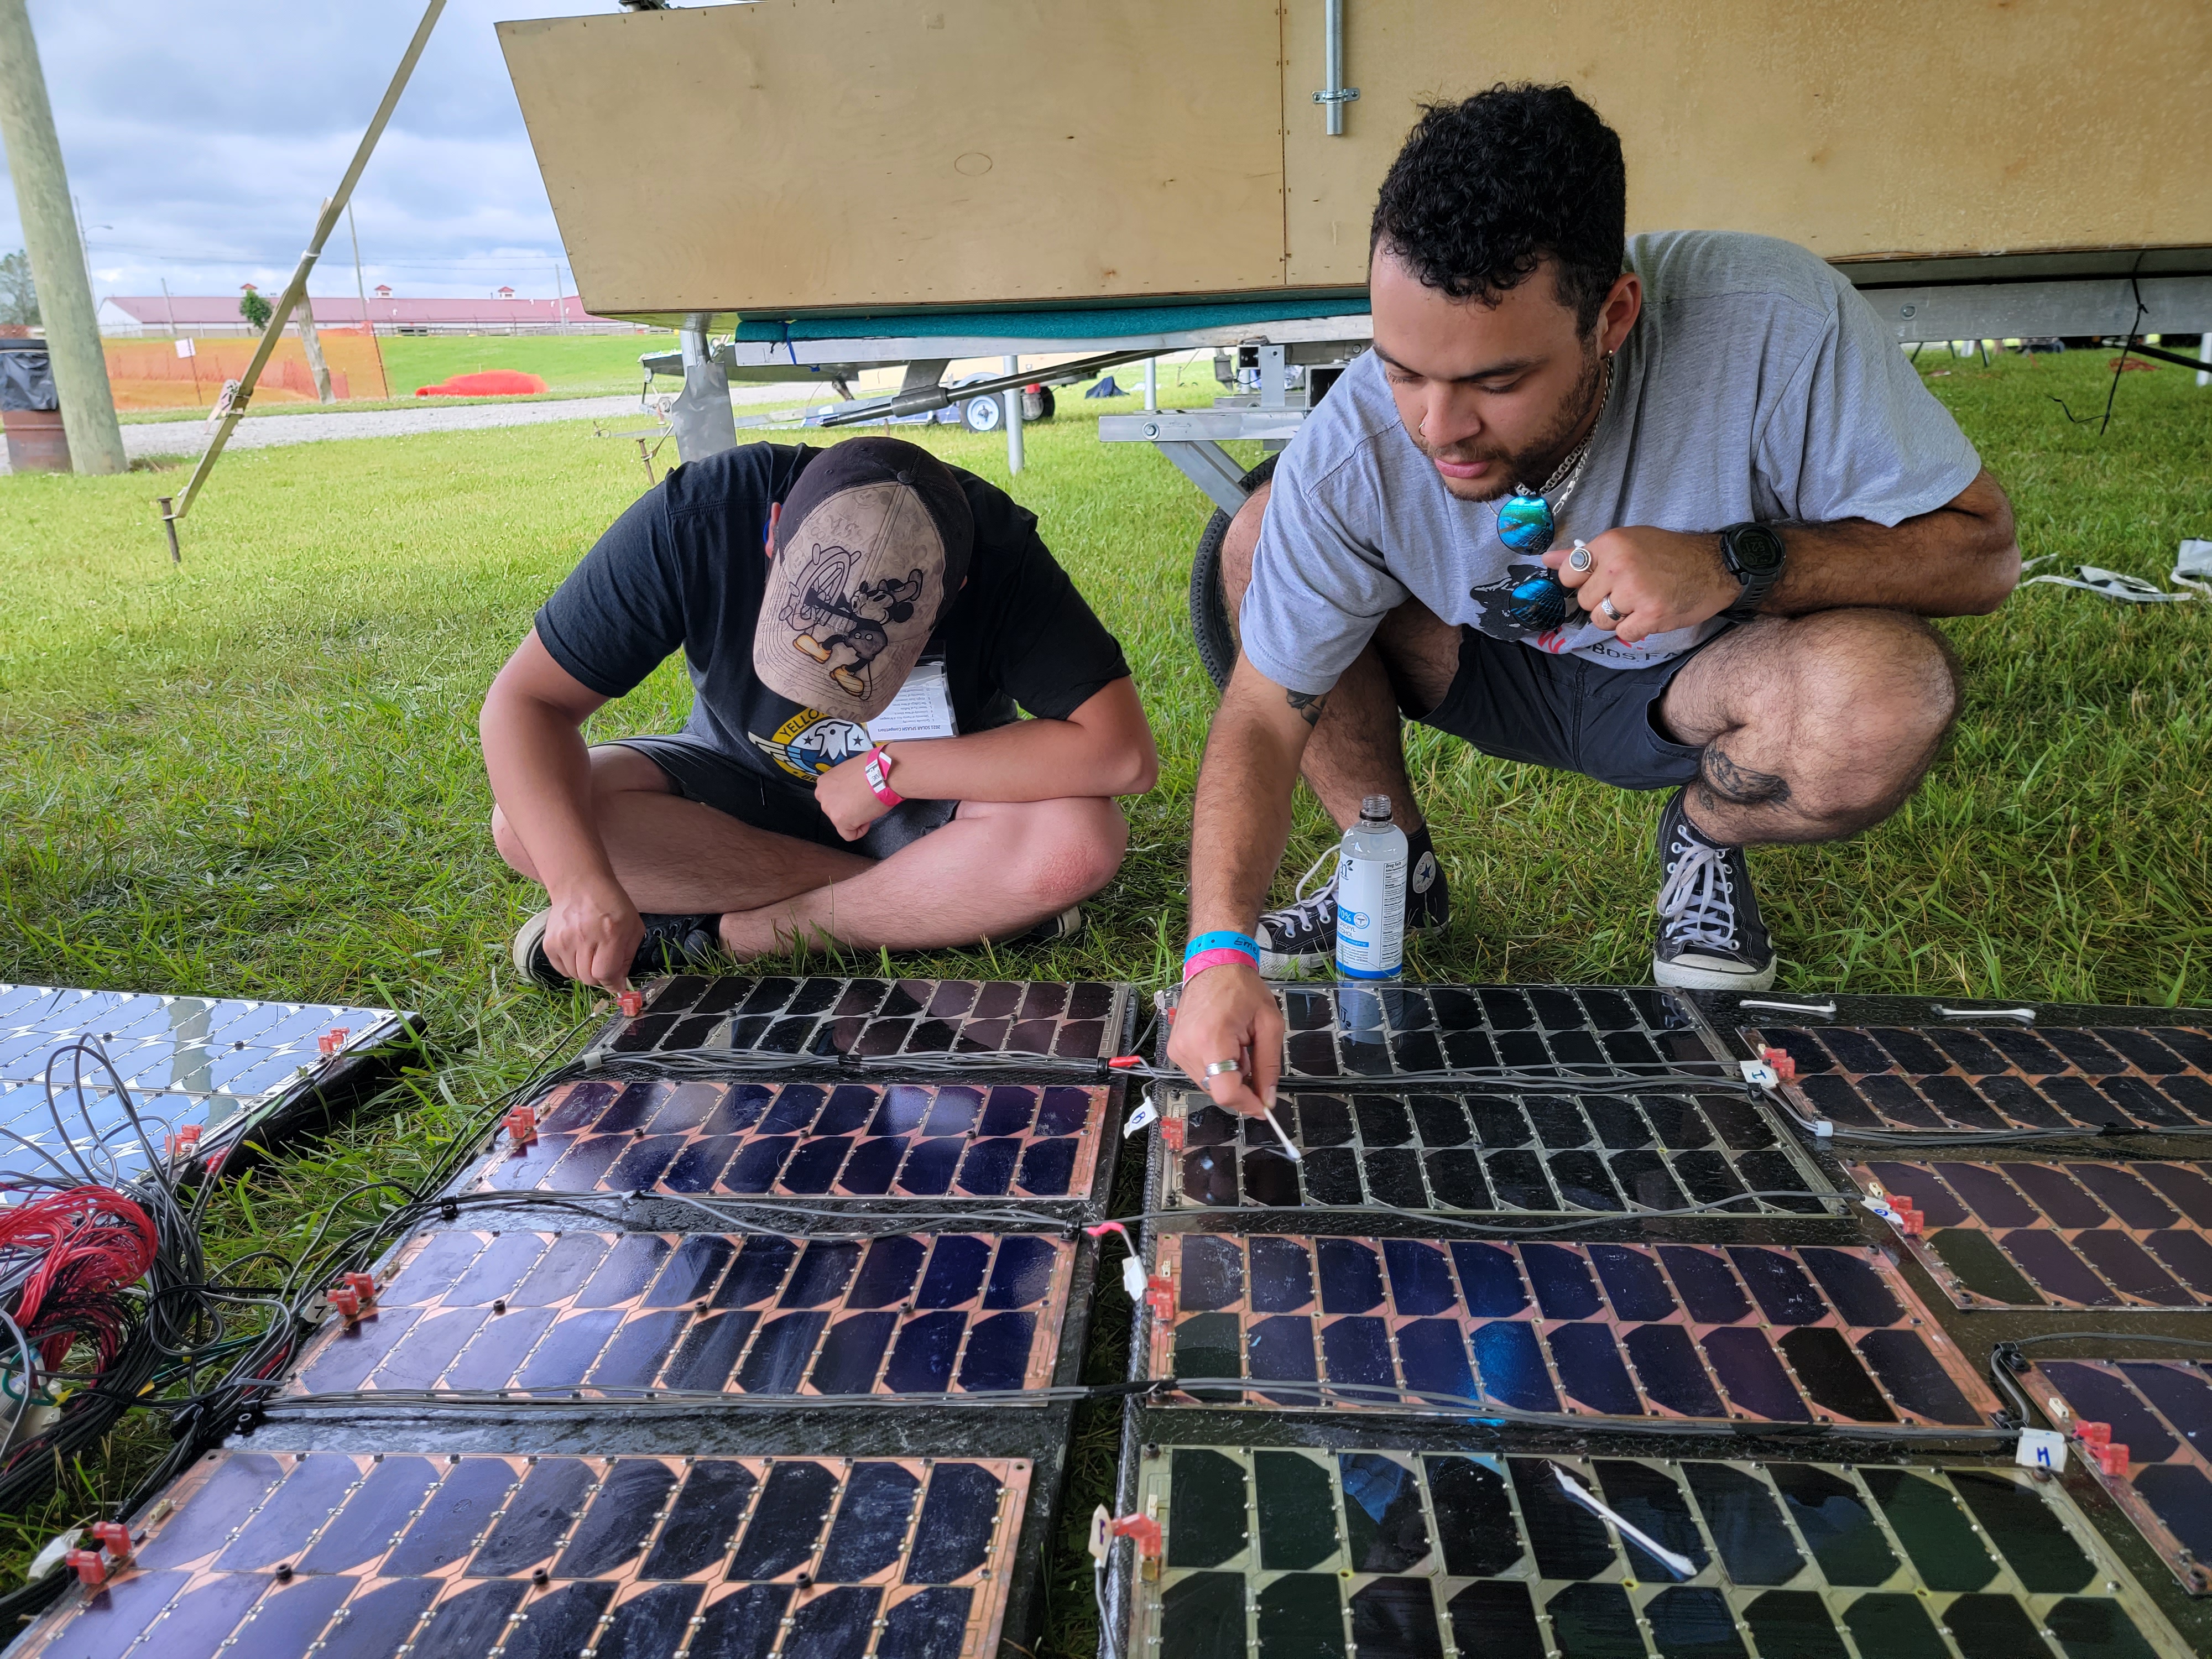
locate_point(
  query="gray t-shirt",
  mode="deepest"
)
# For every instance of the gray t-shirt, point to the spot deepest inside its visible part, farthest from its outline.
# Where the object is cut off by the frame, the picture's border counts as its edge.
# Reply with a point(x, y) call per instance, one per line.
point(1757, 385)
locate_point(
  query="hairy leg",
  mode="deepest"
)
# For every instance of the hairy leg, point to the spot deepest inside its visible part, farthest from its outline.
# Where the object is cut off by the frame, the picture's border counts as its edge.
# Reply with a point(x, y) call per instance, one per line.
point(1813, 727)
point(677, 856)
point(1355, 750)
point(996, 869)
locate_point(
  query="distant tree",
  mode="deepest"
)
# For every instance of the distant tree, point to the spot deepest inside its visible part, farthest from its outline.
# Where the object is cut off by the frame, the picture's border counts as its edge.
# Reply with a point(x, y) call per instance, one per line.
point(254, 309)
point(19, 296)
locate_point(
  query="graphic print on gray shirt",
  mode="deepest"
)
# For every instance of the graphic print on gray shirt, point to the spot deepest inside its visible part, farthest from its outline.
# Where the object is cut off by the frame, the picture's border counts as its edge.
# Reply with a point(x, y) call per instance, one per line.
point(1757, 385)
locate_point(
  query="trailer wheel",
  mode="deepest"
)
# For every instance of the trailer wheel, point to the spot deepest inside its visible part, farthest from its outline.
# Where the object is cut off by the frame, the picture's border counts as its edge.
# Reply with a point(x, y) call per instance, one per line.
point(1209, 608)
point(983, 414)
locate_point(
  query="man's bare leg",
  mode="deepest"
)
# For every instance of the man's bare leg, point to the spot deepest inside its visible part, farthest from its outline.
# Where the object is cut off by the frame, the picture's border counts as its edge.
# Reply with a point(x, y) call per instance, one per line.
point(676, 857)
point(1813, 727)
point(997, 869)
point(1356, 749)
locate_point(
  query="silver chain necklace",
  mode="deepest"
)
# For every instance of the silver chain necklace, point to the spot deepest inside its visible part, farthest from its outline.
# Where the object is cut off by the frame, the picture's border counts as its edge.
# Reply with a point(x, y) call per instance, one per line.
point(1570, 470)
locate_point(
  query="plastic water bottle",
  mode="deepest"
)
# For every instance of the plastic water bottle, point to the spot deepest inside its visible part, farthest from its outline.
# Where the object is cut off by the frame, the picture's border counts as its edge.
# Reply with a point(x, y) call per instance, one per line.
point(1370, 896)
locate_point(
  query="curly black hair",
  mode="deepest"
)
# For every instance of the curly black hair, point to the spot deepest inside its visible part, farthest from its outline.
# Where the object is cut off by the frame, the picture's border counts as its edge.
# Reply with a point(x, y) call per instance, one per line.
point(1485, 189)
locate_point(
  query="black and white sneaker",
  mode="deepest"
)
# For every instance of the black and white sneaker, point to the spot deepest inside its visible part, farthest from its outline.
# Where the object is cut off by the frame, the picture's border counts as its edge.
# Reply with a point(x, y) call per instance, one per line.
point(1053, 929)
point(1301, 937)
point(671, 943)
point(1709, 936)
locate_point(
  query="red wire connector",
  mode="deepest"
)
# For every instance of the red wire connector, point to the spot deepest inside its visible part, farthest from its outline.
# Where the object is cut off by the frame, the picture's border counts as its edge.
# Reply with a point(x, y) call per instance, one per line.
point(1159, 1293)
point(333, 1039)
point(186, 1141)
point(632, 1004)
point(2094, 1434)
point(346, 1300)
point(113, 1536)
point(1143, 1529)
point(2111, 1458)
point(1785, 1067)
point(91, 1566)
point(1123, 1062)
point(363, 1286)
point(522, 1127)
point(1909, 1221)
point(1171, 1132)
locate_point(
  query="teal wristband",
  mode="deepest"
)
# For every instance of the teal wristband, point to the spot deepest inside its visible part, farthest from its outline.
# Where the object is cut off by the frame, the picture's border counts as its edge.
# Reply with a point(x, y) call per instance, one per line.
point(1222, 940)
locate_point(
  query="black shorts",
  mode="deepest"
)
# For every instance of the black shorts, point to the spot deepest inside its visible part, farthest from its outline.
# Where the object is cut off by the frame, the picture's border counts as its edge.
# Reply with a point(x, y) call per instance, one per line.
point(702, 773)
point(1563, 712)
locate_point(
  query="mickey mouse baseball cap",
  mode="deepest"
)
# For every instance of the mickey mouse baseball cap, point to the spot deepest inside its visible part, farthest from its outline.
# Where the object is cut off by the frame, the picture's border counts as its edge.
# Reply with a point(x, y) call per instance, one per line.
point(871, 545)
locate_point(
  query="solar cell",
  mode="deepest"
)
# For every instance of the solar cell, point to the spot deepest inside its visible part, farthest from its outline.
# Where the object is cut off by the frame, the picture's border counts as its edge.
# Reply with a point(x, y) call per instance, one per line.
point(611, 1315)
point(826, 1017)
point(349, 1556)
point(894, 1142)
point(1296, 1554)
point(1963, 1076)
point(2071, 1234)
point(227, 1065)
point(2160, 1411)
point(1469, 1151)
point(1743, 1332)
point(1334, 1031)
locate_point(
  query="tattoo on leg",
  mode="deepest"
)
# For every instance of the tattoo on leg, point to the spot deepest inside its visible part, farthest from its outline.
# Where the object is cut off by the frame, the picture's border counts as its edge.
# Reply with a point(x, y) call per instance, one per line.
point(1310, 705)
point(1721, 781)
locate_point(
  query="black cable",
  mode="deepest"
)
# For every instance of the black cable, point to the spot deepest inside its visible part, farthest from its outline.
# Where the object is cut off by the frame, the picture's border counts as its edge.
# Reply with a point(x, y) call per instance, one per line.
point(2119, 363)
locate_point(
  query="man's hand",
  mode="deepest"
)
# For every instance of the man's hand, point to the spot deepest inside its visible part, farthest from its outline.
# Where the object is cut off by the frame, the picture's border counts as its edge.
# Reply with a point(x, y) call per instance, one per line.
point(1229, 1013)
point(1657, 579)
point(593, 933)
point(845, 799)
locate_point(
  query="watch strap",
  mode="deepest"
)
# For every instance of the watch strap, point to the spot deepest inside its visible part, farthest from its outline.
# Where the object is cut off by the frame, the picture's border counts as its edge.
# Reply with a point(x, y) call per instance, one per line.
point(1755, 584)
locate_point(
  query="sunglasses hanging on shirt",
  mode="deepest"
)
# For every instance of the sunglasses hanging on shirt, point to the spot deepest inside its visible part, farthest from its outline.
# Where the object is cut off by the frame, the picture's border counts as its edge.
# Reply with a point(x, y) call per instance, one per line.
point(1528, 524)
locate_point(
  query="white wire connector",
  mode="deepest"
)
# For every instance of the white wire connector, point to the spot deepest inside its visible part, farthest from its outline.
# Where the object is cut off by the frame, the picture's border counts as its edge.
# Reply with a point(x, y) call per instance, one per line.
point(1759, 1075)
point(1132, 1266)
point(1681, 1565)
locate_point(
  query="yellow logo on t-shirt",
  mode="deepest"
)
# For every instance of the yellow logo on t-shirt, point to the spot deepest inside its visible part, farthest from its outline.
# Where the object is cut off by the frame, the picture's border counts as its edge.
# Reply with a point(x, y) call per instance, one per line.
point(810, 742)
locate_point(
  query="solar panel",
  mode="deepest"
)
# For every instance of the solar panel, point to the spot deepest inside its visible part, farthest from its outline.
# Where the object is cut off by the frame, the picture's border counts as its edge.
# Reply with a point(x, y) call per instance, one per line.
point(614, 1315)
point(1296, 1554)
point(232, 1066)
point(895, 1142)
point(1556, 1154)
point(350, 1556)
point(2161, 1411)
point(1744, 1333)
point(1335, 1031)
point(2075, 1234)
point(1979, 1074)
point(826, 1017)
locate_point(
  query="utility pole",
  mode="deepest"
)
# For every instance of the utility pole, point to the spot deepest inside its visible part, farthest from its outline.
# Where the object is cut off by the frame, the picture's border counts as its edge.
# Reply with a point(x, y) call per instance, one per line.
point(362, 288)
point(42, 195)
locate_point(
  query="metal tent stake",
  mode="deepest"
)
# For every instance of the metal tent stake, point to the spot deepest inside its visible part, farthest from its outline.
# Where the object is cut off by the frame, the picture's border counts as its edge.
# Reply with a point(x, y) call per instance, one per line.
point(174, 509)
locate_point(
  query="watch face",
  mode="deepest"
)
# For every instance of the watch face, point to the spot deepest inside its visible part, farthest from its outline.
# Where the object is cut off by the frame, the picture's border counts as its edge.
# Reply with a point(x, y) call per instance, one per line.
point(1754, 549)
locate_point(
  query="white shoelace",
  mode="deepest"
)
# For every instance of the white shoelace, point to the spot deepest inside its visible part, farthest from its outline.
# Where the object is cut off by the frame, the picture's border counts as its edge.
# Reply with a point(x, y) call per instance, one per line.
point(1306, 914)
point(1697, 903)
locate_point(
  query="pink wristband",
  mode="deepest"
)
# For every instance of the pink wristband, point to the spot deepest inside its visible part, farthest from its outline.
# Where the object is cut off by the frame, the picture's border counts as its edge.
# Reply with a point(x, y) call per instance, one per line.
point(878, 772)
point(1205, 959)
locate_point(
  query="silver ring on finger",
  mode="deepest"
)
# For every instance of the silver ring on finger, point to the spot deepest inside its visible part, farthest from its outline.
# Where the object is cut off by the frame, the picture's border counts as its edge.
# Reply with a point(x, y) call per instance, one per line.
point(1580, 558)
point(1222, 1069)
point(1605, 605)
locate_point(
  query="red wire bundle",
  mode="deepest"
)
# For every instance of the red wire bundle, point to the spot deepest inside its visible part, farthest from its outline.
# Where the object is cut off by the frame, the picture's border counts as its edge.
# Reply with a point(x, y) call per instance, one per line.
point(93, 1242)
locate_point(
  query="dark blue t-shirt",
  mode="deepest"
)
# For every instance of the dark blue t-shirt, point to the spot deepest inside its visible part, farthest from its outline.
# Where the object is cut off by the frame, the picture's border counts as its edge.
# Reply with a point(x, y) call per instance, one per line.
point(685, 567)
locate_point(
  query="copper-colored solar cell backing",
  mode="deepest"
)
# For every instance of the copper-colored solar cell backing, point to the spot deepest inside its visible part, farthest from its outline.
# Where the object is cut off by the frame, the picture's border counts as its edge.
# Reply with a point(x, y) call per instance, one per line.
point(2161, 1411)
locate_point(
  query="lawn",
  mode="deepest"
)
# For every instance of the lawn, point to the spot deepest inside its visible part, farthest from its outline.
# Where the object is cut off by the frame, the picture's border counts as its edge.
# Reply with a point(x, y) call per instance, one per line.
point(257, 774)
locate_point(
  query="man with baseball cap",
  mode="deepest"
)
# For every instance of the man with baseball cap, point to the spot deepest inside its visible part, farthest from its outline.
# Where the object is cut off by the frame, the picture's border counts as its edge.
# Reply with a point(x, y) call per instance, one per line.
point(860, 623)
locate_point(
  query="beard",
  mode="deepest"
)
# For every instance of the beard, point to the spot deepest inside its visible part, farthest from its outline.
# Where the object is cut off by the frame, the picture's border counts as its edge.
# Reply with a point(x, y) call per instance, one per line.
point(1536, 460)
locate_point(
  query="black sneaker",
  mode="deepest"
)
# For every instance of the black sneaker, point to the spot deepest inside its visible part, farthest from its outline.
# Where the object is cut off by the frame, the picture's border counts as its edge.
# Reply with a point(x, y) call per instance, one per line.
point(1710, 937)
point(670, 943)
point(1301, 937)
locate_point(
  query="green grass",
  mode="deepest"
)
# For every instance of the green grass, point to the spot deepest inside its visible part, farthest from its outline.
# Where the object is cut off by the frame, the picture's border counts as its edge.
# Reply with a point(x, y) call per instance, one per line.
point(258, 774)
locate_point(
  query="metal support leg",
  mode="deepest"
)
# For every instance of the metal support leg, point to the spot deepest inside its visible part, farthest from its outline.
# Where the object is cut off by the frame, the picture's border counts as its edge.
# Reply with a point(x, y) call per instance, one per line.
point(1013, 419)
point(1209, 466)
point(2204, 355)
point(1275, 378)
point(1152, 381)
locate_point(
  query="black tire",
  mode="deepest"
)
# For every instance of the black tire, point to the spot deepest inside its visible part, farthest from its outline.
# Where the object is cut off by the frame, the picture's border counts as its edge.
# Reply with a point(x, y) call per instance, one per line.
point(1209, 607)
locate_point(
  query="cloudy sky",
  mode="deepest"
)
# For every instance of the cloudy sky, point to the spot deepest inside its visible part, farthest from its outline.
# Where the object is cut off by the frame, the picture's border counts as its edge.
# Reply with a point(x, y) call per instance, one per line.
point(202, 135)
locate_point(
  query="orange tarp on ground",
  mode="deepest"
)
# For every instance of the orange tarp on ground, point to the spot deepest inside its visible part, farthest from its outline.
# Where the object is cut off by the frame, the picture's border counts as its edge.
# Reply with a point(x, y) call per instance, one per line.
point(148, 374)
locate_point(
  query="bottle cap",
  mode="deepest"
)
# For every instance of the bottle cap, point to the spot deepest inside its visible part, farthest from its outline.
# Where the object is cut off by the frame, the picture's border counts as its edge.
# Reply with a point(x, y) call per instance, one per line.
point(1375, 808)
